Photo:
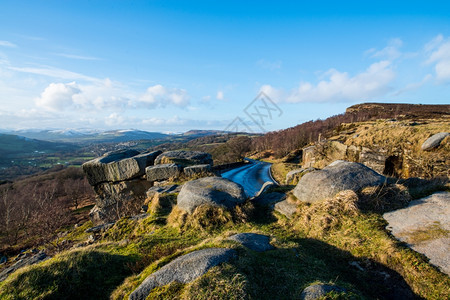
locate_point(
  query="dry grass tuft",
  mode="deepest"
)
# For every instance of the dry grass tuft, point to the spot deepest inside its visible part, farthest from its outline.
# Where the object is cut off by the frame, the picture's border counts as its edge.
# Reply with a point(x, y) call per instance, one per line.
point(384, 198)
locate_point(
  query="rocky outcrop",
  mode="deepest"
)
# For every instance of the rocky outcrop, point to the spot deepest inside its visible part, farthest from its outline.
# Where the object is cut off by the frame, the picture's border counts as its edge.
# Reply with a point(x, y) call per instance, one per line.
point(338, 176)
point(425, 226)
point(215, 191)
point(434, 141)
point(118, 166)
point(162, 172)
point(184, 269)
point(165, 189)
point(319, 290)
point(198, 170)
point(184, 158)
point(119, 184)
point(253, 241)
point(22, 262)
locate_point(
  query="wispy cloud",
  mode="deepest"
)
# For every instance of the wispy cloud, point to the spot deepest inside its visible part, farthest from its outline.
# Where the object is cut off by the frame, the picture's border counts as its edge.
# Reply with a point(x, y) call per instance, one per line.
point(7, 44)
point(269, 65)
point(220, 95)
point(160, 96)
point(55, 72)
point(79, 57)
point(438, 51)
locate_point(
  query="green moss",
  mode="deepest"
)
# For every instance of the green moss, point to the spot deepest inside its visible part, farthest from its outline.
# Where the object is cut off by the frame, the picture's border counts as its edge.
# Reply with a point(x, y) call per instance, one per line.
point(431, 232)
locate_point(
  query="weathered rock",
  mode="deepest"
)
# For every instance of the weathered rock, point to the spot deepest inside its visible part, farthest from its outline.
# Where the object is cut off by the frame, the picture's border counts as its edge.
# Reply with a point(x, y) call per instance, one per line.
point(266, 186)
point(309, 157)
point(26, 261)
point(184, 269)
point(373, 159)
point(319, 290)
point(424, 226)
point(215, 191)
point(184, 158)
point(253, 241)
point(165, 189)
point(292, 177)
point(198, 170)
point(118, 166)
point(336, 177)
point(162, 172)
point(434, 141)
point(286, 208)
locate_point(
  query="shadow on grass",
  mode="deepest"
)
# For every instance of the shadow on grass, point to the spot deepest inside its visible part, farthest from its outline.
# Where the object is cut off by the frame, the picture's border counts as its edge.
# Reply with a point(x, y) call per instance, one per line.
point(284, 273)
point(82, 274)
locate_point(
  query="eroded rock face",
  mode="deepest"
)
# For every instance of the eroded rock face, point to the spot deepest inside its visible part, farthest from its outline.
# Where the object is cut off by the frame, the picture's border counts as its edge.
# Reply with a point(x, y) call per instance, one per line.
point(26, 261)
point(118, 166)
point(338, 176)
point(286, 208)
point(215, 191)
point(434, 141)
point(197, 170)
point(184, 269)
point(117, 179)
point(292, 177)
point(184, 158)
point(423, 225)
point(162, 172)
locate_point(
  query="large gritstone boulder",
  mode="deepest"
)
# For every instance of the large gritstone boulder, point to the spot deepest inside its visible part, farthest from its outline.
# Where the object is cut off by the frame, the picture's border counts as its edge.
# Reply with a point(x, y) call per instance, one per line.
point(215, 191)
point(338, 176)
point(184, 158)
point(184, 269)
point(118, 166)
point(162, 172)
point(253, 241)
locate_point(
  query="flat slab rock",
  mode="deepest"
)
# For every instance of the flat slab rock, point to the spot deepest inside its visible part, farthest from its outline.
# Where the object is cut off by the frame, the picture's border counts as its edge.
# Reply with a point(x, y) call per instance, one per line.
point(337, 176)
point(164, 189)
point(215, 191)
point(429, 214)
point(118, 166)
point(253, 241)
point(184, 269)
point(184, 158)
point(162, 172)
point(286, 208)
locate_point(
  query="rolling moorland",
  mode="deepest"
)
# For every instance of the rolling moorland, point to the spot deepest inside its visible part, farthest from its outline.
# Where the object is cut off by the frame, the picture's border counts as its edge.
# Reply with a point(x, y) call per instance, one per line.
point(73, 245)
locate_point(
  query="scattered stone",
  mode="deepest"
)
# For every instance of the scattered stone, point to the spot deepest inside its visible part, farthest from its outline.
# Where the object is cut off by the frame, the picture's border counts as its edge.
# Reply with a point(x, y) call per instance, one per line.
point(253, 241)
point(184, 269)
point(25, 261)
point(184, 158)
point(100, 228)
point(336, 177)
point(319, 290)
point(264, 188)
point(3, 260)
point(140, 216)
point(425, 226)
point(198, 170)
point(215, 191)
point(162, 172)
point(434, 141)
point(165, 189)
point(356, 265)
point(286, 208)
point(91, 239)
point(118, 166)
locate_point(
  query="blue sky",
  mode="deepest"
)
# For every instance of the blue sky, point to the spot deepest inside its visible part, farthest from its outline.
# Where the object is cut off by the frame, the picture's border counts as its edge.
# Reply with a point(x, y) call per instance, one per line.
point(172, 66)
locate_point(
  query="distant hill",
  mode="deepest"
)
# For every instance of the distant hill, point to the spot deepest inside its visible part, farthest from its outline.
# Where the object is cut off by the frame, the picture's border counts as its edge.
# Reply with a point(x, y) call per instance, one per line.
point(16, 145)
point(90, 136)
point(200, 133)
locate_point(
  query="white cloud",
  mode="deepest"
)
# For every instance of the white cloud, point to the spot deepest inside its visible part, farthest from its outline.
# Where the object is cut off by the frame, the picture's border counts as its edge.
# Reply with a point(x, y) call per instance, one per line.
point(414, 86)
point(339, 86)
point(114, 119)
point(7, 44)
point(439, 55)
point(58, 96)
point(160, 96)
point(220, 95)
point(390, 52)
